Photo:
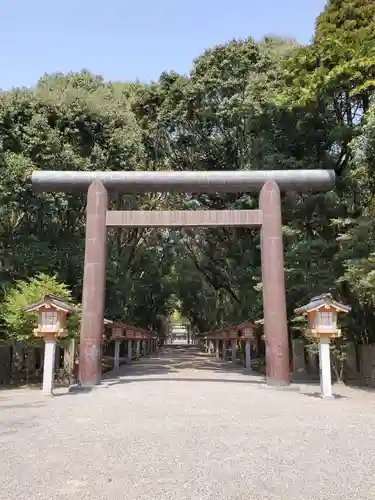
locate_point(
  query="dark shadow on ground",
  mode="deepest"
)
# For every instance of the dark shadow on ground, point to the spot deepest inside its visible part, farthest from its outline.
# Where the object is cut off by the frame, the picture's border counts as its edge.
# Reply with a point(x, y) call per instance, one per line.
point(319, 396)
point(184, 379)
point(174, 359)
point(361, 388)
point(22, 405)
point(20, 386)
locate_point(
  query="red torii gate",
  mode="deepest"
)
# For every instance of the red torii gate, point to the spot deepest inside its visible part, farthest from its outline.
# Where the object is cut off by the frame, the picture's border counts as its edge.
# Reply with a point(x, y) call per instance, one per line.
point(267, 218)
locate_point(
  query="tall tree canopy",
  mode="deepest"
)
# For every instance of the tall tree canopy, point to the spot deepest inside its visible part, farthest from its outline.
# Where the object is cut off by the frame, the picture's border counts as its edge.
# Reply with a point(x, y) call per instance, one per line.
point(246, 104)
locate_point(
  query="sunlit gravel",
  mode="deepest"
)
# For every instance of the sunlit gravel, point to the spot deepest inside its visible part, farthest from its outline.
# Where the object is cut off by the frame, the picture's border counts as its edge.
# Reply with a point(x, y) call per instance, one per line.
point(181, 425)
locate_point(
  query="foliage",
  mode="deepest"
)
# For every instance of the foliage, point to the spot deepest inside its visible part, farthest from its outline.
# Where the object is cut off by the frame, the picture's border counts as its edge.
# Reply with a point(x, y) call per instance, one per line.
point(20, 323)
point(357, 232)
point(246, 104)
point(340, 62)
point(336, 71)
point(339, 350)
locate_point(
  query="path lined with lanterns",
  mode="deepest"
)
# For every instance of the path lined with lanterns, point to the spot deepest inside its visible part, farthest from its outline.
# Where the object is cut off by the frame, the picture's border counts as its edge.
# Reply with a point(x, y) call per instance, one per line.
point(138, 341)
point(52, 314)
point(234, 341)
point(187, 421)
point(181, 423)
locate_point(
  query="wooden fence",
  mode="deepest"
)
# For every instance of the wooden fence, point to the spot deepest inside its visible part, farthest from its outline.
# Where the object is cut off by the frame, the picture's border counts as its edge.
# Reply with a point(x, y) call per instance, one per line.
point(23, 363)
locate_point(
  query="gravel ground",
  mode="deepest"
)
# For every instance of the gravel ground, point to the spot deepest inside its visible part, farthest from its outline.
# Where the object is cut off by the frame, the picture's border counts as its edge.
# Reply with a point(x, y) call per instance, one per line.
point(185, 426)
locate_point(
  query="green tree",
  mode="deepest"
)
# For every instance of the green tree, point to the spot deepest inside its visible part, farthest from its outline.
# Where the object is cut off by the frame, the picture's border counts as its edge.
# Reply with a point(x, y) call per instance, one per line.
point(68, 122)
point(357, 231)
point(337, 70)
point(245, 105)
point(19, 323)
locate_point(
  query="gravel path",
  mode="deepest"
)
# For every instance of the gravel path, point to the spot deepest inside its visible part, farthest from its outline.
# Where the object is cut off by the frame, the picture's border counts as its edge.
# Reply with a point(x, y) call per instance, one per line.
point(184, 426)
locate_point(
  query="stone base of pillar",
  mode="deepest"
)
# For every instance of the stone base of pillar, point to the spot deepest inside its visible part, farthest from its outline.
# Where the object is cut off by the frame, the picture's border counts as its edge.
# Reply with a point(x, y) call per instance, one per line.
point(278, 384)
point(79, 388)
point(279, 387)
point(327, 398)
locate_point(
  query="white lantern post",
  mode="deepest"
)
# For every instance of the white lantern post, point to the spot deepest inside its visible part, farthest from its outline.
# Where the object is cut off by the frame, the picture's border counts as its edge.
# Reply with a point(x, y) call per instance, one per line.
point(248, 337)
point(130, 335)
point(117, 336)
point(52, 314)
point(233, 337)
point(322, 314)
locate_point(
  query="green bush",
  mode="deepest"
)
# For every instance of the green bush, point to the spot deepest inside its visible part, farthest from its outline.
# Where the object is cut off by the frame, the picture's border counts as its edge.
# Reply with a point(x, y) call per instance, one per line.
point(19, 323)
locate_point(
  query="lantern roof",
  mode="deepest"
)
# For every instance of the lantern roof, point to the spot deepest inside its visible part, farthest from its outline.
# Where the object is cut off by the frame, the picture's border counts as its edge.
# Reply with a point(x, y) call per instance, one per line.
point(53, 301)
point(242, 326)
point(136, 330)
point(227, 329)
point(321, 302)
point(201, 335)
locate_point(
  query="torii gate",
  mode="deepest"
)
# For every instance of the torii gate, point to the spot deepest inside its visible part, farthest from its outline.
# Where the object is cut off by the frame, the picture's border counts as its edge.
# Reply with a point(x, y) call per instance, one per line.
point(267, 217)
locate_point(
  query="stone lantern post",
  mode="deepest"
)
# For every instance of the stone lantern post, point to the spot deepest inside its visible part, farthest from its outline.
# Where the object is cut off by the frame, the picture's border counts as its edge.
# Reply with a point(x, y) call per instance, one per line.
point(117, 336)
point(52, 315)
point(248, 336)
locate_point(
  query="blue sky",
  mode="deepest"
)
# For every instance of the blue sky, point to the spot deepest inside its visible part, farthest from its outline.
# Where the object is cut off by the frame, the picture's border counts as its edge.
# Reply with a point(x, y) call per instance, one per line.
point(129, 39)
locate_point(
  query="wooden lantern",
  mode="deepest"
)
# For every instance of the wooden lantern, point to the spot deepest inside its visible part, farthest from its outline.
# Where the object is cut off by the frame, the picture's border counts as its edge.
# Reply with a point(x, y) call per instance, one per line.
point(259, 323)
point(323, 321)
point(122, 331)
point(322, 314)
point(52, 312)
point(117, 333)
point(135, 334)
point(108, 324)
point(233, 334)
point(130, 334)
point(52, 315)
point(247, 331)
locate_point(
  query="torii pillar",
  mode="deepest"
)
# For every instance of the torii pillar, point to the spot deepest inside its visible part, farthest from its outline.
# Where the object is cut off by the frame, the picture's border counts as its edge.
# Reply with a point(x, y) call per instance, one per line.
point(94, 278)
point(274, 302)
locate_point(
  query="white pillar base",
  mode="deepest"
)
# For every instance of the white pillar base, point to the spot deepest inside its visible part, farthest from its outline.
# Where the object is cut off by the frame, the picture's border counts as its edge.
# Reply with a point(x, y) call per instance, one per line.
point(130, 350)
point(325, 368)
point(234, 352)
point(225, 354)
point(248, 357)
point(116, 359)
point(49, 365)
